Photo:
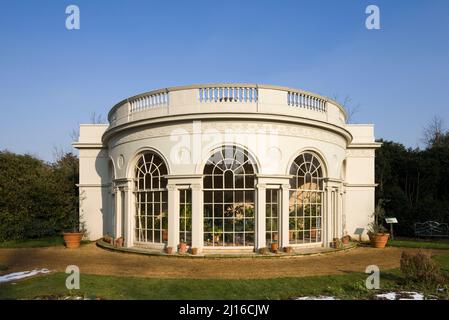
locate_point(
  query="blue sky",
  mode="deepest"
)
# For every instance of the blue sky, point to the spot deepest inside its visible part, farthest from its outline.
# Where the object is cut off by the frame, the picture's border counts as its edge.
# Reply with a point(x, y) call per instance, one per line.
point(52, 79)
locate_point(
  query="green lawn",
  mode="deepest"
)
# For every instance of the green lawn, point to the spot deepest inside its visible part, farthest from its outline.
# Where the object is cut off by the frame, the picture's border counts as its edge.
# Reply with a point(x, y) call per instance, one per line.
point(35, 243)
point(418, 243)
point(348, 286)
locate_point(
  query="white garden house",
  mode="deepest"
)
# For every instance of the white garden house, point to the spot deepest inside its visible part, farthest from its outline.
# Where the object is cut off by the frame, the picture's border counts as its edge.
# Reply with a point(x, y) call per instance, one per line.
point(227, 167)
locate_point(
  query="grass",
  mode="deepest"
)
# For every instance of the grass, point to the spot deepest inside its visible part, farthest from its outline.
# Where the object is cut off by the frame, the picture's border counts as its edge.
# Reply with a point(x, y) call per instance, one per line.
point(419, 243)
point(347, 286)
point(35, 243)
point(111, 287)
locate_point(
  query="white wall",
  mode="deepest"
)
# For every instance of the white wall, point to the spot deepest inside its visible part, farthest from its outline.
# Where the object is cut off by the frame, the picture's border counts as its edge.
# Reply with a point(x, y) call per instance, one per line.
point(94, 180)
point(360, 180)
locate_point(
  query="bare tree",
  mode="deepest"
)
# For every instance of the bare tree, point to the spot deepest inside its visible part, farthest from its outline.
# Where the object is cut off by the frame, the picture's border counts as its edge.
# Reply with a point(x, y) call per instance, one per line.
point(96, 118)
point(58, 153)
point(75, 134)
point(350, 108)
point(434, 132)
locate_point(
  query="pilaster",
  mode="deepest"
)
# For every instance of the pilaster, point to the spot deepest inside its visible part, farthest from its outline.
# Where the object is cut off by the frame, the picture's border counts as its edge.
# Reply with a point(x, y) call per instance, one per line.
point(197, 216)
point(261, 214)
point(285, 215)
point(173, 216)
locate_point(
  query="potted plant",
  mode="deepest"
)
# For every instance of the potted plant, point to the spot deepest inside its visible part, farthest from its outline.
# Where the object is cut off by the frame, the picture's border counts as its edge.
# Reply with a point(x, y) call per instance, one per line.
point(346, 239)
point(288, 250)
point(73, 236)
point(169, 250)
point(119, 242)
point(377, 233)
point(182, 247)
point(218, 232)
point(274, 247)
point(337, 243)
point(195, 251)
point(108, 239)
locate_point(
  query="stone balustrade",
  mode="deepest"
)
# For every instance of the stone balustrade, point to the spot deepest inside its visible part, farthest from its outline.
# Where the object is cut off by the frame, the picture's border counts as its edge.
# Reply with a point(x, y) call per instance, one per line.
point(235, 98)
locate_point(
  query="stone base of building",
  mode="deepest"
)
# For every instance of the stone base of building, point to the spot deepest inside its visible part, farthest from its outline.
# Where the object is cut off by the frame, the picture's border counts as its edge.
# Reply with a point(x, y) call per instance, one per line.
point(222, 253)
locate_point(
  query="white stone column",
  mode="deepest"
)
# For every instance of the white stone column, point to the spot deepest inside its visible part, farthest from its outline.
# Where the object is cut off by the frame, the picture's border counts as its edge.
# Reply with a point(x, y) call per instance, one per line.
point(332, 214)
point(129, 214)
point(117, 213)
point(327, 232)
point(260, 217)
point(197, 217)
point(284, 217)
point(340, 213)
point(344, 225)
point(173, 216)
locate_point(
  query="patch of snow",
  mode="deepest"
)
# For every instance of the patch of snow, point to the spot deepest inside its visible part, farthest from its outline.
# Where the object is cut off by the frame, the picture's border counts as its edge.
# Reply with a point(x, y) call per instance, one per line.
point(64, 297)
point(402, 295)
point(20, 275)
point(315, 298)
point(387, 296)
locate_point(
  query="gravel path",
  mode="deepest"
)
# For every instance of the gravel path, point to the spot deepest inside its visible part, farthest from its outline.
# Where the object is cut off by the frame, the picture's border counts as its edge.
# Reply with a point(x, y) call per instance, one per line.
point(93, 260)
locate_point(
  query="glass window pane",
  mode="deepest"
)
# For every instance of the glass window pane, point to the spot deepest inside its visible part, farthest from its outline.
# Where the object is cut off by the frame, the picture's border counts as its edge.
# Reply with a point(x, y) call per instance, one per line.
point(228, 196)
point(207, 196)
point(249, 181)
point(207, 210)
point(239, 239)
point(218, 182)
point(249, 196)
point(207, 182)
point(229, 180)
point(182, 196)
point(218, 196)
point(249, 239)
point(238, 196)
point(239, 181)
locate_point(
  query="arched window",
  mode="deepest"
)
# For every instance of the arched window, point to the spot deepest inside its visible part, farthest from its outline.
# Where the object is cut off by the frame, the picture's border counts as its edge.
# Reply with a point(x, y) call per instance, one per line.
point(229, 198)
point(151, 199)
point(306, 200)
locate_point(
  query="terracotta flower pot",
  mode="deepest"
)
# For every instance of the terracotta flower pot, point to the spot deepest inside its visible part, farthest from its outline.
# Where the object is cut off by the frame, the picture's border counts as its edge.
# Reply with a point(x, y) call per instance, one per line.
point(379, 240)
point(288, 250)
point(194, 251)
point(72, 239)
point(182, 247)
point(119, 242)
point(274, 247)
point(346, 239)
point(108, 239)
point(169, 250)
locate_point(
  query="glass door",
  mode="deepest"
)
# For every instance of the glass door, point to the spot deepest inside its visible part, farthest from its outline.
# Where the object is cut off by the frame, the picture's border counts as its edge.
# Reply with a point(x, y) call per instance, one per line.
point(272, 214)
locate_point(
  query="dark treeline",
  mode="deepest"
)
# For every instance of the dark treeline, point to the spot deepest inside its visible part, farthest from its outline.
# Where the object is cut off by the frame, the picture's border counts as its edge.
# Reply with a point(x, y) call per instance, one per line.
point(414, 183)
point(37, 199)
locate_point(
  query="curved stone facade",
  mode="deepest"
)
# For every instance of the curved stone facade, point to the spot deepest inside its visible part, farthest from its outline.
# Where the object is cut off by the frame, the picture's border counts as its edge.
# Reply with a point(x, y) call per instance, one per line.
point(258, 142)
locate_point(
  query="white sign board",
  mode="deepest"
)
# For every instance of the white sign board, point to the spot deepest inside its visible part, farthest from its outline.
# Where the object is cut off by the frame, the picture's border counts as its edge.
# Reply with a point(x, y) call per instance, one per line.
point(391, 220)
